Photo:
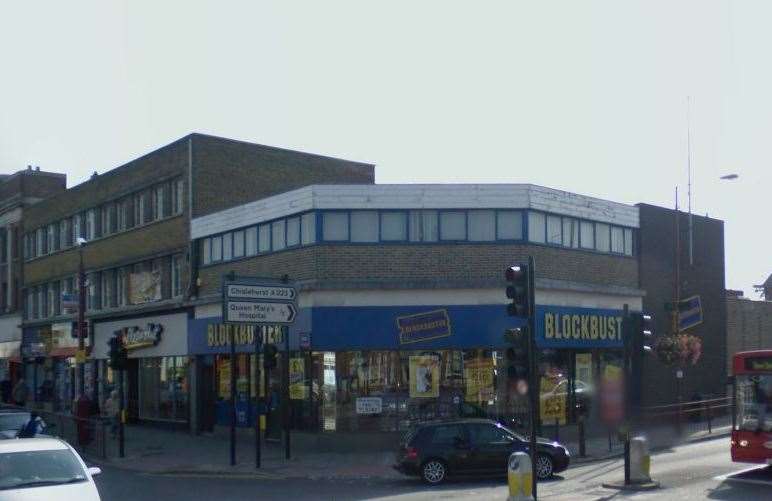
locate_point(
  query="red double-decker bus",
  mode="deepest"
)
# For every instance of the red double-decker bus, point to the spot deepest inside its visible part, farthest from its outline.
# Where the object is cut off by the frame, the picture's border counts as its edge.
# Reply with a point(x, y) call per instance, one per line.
point(752, 419)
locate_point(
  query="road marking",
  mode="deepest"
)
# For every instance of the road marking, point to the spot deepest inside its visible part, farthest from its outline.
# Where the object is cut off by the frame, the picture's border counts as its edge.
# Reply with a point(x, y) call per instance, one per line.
point(732, 477)
point(192, 474)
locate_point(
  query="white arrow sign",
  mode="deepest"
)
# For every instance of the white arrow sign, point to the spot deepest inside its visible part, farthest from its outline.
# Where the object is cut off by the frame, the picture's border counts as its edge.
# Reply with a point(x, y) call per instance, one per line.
point(267, 292)
point(260, 313)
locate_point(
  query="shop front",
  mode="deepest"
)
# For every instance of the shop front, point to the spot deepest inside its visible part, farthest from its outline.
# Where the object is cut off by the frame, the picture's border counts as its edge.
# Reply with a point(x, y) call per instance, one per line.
point(157, 376)
point(10, 355)
point(384, 368)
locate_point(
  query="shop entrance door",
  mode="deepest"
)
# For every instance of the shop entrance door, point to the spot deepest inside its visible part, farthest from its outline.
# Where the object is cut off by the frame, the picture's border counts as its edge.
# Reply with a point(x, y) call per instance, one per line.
point(207, 397)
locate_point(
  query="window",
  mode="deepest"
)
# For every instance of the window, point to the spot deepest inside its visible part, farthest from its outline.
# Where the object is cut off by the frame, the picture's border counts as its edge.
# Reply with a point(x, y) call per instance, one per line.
point(139, 208)
point(602, 237)
point(206, 251)
point(308, 228)
point(293, 231)
point(364, 226)
point(482, 225)
point(158, 203)
point(587, 235)
point(76, 229)
point(53, 242)
point(64, 234)
point(447, 435)
point(123, 214)
point(217, 248)
point(628, 241)
point(238, 244)
point(178, 193)
point(51, 300)
point(335, 226)
point(482, 434)
point(278, 230)
point(91, 232)
point(251, 241)
point(41, 241)
point(536, 227)
point(42, 300)
point(264, 238)
point(393, 226)
point(107, 288)
point(227, 247)
point(105, 214)
point(617, 240)
point(453, 225)
point(121, 286)
point(177, 275)
point(570, 232)
point(509, 225)
point(423, 226)
point(554, 230)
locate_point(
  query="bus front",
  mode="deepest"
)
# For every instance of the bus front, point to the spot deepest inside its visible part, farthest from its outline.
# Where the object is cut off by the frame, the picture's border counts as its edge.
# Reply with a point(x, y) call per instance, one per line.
point(752, 423)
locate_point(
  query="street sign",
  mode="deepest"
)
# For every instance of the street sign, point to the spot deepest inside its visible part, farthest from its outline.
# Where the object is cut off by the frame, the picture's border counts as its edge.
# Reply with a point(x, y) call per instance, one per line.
point(261, 292)
point(689, 313)
point(251, 312)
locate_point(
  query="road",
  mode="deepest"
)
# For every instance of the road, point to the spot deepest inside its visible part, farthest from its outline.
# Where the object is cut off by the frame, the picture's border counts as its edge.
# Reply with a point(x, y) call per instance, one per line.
point(686, 472)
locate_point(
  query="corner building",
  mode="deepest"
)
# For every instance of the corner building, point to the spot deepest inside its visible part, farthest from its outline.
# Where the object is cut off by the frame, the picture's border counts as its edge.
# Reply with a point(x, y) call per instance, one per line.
point(139, 264)
point(402, 306)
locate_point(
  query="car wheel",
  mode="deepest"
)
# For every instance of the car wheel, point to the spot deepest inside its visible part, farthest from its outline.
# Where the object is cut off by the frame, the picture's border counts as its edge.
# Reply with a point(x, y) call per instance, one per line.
point(434, 472)
point(544, 467)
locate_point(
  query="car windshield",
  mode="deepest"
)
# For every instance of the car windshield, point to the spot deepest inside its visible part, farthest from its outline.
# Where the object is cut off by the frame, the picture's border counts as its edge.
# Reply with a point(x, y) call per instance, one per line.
point(754, 402)
point(13, 421)
point(38, 468)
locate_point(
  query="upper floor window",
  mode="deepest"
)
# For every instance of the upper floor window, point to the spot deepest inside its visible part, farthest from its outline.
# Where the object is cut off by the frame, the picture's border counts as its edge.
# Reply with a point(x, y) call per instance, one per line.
point(159, 202)
point(335, 226)
point(482, 225)
point(509, 225)
point(628, 241)
point(217, 248)
point(238, 244)
point(602, 237)
point(570, 232)
point(393, 226)
point(364, 226)
point(53, 241)
point(206, 251)
point(278, 233)
point(423, 225)
point(250, 241)
point(537, 227)
point(178, 192)
point(308, 228)
point(554, 230)
point(264, 238)
point(617, 240)
point(452, 225)
point(176, 276)
point(293, 232)
point(587, 235)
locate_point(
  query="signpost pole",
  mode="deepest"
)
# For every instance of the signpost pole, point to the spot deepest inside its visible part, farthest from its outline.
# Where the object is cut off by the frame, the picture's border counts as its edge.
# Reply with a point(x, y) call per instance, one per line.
point(285, 400)
point(627, 388)
point(533, 384)
point(258, 400)
point(233, 394)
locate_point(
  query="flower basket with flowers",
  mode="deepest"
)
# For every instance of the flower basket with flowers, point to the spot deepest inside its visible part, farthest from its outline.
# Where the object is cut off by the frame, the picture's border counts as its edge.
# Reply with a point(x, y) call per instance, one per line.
point(679, 349)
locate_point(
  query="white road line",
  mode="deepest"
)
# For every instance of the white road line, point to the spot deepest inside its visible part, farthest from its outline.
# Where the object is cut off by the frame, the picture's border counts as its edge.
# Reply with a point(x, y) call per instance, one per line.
point(730, 476)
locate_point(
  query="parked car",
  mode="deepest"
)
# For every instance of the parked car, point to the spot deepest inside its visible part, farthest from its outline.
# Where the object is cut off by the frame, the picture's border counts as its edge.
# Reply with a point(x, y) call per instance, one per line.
point(12, 422)
point(471, 447)
point(44, 469)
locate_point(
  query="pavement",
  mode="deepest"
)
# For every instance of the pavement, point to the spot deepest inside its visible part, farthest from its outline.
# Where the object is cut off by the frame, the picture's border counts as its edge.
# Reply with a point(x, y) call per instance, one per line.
point(165, 452)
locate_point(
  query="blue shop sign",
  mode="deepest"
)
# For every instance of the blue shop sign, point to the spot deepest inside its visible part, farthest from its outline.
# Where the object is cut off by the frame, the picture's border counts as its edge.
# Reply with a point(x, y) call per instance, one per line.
point(210, 336)
point(566, 327)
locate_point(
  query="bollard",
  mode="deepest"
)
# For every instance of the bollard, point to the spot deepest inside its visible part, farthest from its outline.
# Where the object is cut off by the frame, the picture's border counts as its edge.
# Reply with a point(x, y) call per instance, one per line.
point(640, 460)
point(519, 477)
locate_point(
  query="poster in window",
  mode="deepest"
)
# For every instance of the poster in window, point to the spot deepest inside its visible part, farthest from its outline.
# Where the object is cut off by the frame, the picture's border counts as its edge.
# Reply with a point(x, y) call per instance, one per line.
point(424, 376)
point(478, 374)
point(224, 378)
point(297, 385)
point(584, 367)
point(553, 400)
point(145, 287)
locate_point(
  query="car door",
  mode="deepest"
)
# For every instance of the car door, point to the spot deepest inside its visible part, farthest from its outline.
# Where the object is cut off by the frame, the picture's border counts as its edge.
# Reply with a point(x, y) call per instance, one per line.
point(451, 444)
point(491, 447)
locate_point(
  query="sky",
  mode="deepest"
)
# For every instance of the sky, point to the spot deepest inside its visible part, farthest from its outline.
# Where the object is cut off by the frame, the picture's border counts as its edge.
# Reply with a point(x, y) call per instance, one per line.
point(585, 96)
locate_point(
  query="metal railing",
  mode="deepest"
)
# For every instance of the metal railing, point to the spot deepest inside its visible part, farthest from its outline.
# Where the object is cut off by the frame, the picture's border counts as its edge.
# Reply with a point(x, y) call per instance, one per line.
point(688, 417)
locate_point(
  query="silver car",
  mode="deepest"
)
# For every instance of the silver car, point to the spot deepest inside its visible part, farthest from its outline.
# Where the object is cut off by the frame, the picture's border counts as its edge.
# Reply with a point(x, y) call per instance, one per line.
point(44, 469)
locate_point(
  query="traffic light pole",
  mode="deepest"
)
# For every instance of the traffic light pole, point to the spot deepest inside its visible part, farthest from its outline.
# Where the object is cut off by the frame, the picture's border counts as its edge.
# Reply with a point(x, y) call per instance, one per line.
point(258, 401)
point(233, 394)
point(628, 332)
point(533, 384)
point(121, 414)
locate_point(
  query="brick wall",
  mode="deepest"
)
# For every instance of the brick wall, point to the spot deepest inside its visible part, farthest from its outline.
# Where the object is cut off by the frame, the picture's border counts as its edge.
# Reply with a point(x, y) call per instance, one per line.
point(704, 278)
point(228, 173)
point(749, 326)
point(402, 264)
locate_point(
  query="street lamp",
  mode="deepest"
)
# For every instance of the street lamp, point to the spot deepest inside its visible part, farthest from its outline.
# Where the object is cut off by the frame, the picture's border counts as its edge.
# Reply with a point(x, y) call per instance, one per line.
point(81, 242)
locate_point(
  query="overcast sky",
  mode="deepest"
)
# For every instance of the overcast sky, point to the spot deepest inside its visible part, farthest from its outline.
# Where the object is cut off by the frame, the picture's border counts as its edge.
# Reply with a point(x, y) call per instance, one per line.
point(585, 96)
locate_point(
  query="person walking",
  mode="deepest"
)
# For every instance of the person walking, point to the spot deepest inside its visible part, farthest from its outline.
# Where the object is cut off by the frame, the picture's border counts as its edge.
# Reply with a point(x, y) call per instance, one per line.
point(20, 393)
point(111, 411)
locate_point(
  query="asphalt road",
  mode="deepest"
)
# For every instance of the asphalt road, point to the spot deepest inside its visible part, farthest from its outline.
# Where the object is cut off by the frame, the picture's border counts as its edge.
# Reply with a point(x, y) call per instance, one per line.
point(694, 471)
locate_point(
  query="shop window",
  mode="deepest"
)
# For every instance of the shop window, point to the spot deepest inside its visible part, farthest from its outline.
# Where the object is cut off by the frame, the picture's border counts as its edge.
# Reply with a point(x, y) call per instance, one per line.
point(364, 226)
point(264, 238)
point(308, 228)
point(602, 237)
point(250, 244)
point(617, 240)
point(570, 232)
point(554, 230)
point(423, 226)
point(482, 225)
point(278, 235)
point(537, 227)
point(238, 244)
point(163, 388)
point(587, 235)
point(509, 225)
point(393, 226)
point(293, 232)
point(335, 226)
point(452, 225)
point(628, 242)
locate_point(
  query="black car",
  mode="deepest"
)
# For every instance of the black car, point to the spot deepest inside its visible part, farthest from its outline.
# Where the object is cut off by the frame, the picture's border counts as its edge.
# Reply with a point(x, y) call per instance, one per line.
point(471, 447)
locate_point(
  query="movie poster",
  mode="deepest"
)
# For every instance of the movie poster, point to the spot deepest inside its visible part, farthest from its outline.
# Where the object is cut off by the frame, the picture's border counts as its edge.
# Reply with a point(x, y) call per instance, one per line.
point(424, 376)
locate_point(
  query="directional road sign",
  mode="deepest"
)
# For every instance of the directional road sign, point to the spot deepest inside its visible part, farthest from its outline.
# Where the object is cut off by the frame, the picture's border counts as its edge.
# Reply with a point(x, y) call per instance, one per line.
point(261, 292)
point(252, 312)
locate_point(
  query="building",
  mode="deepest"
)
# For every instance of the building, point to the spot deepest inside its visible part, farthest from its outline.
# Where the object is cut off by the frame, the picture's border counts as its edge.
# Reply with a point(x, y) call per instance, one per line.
point(130, 227)
point(700, 276)
point(748, 324)
point(18, 192)
point(403, 306)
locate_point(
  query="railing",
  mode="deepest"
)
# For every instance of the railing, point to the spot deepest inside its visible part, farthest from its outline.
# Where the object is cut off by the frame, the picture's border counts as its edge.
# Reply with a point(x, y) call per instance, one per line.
point(688, 417)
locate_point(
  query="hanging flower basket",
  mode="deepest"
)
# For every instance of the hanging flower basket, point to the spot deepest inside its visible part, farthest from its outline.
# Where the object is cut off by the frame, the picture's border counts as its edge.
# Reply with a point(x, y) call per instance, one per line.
point(679, 349)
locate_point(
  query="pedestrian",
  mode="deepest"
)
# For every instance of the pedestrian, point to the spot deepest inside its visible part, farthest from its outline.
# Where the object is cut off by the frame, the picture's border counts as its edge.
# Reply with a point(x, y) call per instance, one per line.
point(20, 392)
point(33, 427)
point(112, 411)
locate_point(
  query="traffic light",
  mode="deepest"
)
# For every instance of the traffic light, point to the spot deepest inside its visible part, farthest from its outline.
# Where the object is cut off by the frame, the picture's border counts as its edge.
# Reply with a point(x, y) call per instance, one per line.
point(269, 356)
point(118, 356)
point(646, 330)
point(517, 353)
point(517, 290)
